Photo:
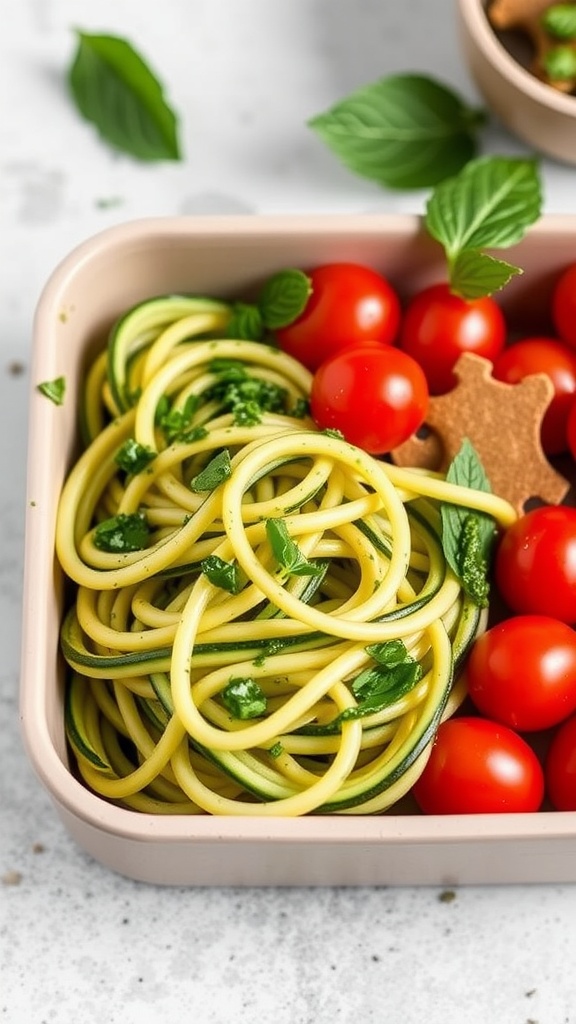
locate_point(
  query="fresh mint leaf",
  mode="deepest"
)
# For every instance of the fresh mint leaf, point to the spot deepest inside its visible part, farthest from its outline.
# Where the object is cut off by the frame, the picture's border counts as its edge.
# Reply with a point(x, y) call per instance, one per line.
point(468, 536)
point(489, 204)
point(405, 131)
point(215, 473)
point(114, 89)
point(283, 298)
point(244, 699)
point(121, 533)
point(286, 551)
point(475, 274)
point(53, 389)
point(560, 21)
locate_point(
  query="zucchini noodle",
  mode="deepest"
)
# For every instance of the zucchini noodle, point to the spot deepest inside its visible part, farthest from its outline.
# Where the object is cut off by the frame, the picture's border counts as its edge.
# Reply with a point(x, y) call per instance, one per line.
point(282, 633)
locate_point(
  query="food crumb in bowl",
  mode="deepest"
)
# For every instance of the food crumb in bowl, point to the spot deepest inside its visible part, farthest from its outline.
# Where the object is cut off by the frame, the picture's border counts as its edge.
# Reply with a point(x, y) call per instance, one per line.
point(447, 896)
point(11, 878)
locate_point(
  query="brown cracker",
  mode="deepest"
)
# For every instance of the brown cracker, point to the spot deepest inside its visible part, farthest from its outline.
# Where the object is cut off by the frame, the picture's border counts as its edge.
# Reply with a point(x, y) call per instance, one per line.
point(502, 421)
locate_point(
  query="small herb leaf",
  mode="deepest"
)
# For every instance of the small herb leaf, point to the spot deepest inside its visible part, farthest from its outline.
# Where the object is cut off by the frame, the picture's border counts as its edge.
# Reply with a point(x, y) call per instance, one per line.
point(53, 389)
point(286, 551)
point(405, 131)
point(121, 533)
point(244, 698)
point(468, 536)
point(226, 575)
point(115, 90)
point(489, 204)
point(245, 322)
point(283, 298)
point(215, 473)
point(133, 457)
point(475, 274)
point(560, 63)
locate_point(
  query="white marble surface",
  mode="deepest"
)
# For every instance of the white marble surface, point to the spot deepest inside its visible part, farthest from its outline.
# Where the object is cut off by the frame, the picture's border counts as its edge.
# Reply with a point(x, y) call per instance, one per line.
point(78, 943)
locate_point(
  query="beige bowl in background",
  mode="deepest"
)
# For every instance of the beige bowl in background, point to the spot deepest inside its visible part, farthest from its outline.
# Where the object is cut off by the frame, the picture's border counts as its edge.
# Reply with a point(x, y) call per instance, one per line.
point(535, 112)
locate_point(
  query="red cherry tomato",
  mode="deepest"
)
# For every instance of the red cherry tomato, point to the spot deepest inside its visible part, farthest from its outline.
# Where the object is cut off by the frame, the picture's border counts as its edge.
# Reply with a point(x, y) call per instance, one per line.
point(438, 327)
point(535, 563)
point(564, 305)
point(479, 767)
point(544, 355)
point(349, 304)
point(560, 767)
point(571, 429)
point(522, 672)
point(375, 395)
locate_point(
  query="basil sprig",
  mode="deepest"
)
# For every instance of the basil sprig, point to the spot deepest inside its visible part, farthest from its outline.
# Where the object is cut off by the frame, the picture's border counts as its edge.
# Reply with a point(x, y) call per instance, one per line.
point(489, 204)
point(114, 89)
point(406, 131)
point(467, 535)
point(287, 553)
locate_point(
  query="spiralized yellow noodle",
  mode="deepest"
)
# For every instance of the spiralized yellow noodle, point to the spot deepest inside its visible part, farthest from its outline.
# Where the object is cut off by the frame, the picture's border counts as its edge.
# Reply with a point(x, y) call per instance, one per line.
point(159, 647)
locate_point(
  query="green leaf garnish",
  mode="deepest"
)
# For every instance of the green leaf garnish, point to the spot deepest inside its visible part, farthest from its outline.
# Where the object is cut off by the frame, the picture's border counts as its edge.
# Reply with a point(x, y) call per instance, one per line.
point(468, 536)
point(560, 21)
point(560, 63)
point(283, 298)
point(53, 389)
point(133, 457)
point(176, 424)
point(114, 89)
point(215, 473)
point(121, 533)
point(225, 575)
point(246, 397)
point(489, 204)
point(475, 274)
point(244, 699)
point(395, 673)
point(405, 131)
point(245, 322)
point(286, 551)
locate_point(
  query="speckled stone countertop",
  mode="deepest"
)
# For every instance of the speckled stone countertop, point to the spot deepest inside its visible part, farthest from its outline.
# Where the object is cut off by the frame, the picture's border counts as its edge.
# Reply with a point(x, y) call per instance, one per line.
point(79, 943)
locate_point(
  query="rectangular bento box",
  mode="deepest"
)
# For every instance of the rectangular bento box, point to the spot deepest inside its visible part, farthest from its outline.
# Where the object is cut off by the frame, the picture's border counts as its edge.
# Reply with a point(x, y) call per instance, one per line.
point(230, 257)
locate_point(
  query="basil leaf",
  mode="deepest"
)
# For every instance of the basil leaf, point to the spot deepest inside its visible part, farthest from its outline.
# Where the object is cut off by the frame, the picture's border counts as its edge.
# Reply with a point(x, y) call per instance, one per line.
point(124, 532)
point(133, 457)
point(284, 297)
point(226, 575)
point(405, 131)
point(489, 204)
point(53, 389)
point(245, 322)
point(560, 21)
point(475, 274)
point(382, 685)
point(215, 473)
point(468, 536)
point(244, 698)
point(287, 552)
point(115, 90)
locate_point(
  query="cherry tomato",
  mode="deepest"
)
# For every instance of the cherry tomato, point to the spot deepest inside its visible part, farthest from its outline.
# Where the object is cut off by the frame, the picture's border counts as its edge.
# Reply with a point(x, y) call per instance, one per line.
point(560, 767)
point(375, 395)
point(349, 304)
point(564, 305)
point(522, 672)
point(571, 429)
point(535, 563)
point(479, 767)
point(438, 327)
point(553, 357)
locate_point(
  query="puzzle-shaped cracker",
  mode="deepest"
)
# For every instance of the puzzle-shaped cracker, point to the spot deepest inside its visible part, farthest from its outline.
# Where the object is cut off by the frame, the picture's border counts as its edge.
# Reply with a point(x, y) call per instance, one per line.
point(503, 423)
